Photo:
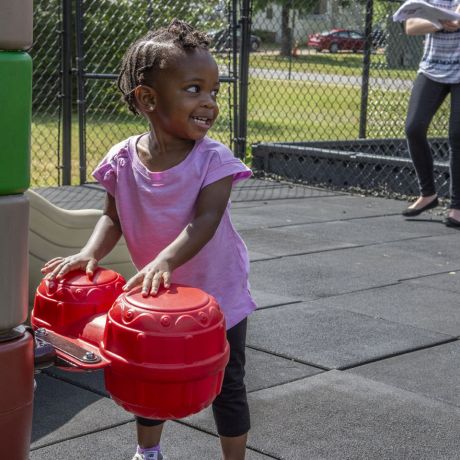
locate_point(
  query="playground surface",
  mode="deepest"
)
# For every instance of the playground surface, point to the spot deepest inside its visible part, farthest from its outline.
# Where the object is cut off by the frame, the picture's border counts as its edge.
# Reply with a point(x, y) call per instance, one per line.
point(353, 352)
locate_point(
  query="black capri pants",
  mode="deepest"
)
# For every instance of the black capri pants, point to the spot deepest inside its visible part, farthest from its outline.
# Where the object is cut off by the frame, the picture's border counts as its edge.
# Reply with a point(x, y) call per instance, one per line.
point(426, 98)
point(230, 408)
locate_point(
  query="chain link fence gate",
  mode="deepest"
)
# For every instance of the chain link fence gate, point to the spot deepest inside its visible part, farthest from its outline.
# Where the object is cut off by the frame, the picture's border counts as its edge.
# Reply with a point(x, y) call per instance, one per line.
point(322, 108)
point(329, 87)
point(47, 53)
point(78, 112)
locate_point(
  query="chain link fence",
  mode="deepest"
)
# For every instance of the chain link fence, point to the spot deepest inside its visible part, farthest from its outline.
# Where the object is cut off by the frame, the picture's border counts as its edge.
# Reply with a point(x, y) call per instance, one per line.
point(329, 83)
point(329, 88)
point(46, 121)
point(107, 29)
point(99, 32)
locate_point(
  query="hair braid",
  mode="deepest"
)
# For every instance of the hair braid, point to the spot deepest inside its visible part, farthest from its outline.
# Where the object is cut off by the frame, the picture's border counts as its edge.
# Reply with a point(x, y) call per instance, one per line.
point(152, 52)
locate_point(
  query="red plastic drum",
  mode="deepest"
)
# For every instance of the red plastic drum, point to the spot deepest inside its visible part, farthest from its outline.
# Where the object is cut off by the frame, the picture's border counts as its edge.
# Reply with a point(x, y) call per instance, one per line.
point(164, 356)
point(71, 313)
point(66, 306)
point(168, 353)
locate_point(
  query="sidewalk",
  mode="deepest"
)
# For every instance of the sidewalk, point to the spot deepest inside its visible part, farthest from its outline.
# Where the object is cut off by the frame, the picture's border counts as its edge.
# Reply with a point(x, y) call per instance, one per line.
point(353, 352)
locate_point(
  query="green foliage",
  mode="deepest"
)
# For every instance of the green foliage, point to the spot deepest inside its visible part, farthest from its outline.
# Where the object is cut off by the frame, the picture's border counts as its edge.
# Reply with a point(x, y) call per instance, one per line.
point(46, 54)
point(304, 6)
point(109, 27)
point(267, 36)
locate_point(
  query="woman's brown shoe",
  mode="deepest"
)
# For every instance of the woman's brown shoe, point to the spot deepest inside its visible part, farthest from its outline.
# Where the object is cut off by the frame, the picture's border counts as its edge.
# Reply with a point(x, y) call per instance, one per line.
point(411, 212)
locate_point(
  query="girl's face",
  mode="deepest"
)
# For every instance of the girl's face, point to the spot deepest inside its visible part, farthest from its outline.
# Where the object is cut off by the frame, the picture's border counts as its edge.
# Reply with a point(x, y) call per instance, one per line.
point(185, 93)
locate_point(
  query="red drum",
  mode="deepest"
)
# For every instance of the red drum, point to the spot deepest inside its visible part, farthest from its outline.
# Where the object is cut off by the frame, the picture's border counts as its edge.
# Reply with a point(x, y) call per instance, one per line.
point(164, 356)
point(66, 306)
point(168, 353)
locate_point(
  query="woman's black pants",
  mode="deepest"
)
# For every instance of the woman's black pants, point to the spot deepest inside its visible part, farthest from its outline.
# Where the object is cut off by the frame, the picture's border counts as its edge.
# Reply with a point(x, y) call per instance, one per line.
point(426, 98)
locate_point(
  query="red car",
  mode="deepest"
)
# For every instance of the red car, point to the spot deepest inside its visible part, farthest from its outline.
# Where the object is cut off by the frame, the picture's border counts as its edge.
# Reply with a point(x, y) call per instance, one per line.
point(337, 40)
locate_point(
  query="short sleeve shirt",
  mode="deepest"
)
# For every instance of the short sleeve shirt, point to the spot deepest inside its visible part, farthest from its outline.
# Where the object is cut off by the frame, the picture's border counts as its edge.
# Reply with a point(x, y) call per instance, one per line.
point(154, 208)
point(441, 55)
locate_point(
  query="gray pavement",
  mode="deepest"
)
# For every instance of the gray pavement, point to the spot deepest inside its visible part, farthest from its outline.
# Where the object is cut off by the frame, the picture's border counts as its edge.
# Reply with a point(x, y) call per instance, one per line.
point(352, 353)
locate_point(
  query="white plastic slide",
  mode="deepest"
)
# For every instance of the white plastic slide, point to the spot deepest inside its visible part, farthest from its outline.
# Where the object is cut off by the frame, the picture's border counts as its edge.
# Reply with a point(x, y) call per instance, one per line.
point(54, 232)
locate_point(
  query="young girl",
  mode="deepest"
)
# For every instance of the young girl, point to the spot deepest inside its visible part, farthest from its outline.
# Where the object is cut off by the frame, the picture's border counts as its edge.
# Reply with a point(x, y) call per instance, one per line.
point(168, 193)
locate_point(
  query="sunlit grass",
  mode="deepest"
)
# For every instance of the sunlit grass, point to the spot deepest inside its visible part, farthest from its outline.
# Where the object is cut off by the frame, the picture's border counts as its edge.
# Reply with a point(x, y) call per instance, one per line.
point(278, 111)
point(347, 64)
point(100, 136)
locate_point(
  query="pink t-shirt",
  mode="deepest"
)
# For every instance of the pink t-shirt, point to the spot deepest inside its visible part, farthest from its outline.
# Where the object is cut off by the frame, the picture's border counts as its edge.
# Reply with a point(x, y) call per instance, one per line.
point(154, 207)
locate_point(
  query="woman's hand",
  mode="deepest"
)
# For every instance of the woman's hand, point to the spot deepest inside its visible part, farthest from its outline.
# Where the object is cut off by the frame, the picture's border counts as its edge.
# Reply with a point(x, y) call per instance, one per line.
point(450, 26)
point(151, 277)
point(59, 266)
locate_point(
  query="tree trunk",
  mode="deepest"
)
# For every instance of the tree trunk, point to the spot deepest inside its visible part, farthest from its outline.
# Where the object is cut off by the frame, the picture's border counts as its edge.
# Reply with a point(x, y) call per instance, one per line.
point(334, 13)
point(286, 41)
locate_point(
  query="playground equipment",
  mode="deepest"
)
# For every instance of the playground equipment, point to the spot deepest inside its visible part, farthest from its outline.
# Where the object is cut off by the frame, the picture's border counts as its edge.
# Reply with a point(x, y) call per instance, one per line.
point(54, 232)
point(163, 356)
point(16, 344)
point(16, 24)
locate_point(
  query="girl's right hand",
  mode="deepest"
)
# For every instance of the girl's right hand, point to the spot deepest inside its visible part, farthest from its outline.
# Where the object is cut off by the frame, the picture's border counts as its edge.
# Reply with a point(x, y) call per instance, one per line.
point(156, 273)
point(59, 266)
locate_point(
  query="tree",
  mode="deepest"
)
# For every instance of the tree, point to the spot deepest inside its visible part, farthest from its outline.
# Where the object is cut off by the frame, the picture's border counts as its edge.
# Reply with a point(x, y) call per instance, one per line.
point(109, 27)
point(287, 6)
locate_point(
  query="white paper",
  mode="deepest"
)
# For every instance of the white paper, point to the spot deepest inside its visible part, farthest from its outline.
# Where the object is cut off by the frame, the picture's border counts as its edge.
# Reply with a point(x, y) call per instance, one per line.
point(423, 10)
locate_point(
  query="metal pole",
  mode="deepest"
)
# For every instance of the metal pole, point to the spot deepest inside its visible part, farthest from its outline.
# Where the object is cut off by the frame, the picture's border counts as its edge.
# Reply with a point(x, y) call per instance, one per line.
point(366, 69)
point(291, 41)
point(235, 51)
point(245, 25)
point(149, 14)
point(79, 28)
point(66, 89)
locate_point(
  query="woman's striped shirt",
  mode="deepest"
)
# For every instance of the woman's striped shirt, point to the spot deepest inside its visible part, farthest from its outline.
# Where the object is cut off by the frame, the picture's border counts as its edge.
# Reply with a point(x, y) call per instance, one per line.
point(441, 55)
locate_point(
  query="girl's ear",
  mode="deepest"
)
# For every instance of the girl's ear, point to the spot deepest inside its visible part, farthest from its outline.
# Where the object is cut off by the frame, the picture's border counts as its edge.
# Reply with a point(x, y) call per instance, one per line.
point(145, 98)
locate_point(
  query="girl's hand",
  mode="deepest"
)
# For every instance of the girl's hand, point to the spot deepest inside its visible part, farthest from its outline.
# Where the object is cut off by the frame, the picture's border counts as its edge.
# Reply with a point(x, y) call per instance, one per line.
point(151, 277)
point(59, 266)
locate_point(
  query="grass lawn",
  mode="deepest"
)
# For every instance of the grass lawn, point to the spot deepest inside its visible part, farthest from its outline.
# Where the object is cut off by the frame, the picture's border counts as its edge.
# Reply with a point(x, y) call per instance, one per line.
point(326, 63)
point(302, 111)
point(278, 110)
point(100, 136)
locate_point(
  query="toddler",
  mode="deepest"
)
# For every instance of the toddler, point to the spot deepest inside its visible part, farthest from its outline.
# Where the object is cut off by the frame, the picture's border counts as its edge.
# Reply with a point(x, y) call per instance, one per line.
point(168, 194)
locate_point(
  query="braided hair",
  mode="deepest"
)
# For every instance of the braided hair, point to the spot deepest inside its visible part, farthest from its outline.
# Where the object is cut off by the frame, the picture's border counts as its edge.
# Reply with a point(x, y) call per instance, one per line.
point(152, 51)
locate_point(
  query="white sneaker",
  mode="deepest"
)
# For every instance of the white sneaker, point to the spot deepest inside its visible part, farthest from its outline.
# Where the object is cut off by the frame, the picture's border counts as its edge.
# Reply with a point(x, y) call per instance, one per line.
point(150, 456)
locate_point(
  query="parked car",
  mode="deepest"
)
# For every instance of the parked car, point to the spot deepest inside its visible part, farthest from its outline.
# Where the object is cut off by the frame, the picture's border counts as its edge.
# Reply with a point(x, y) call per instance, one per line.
point(221, 40)
point(337, 40)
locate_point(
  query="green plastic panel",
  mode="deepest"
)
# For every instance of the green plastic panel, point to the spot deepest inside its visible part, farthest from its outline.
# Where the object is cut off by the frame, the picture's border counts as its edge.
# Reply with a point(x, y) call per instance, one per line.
point(15, 120)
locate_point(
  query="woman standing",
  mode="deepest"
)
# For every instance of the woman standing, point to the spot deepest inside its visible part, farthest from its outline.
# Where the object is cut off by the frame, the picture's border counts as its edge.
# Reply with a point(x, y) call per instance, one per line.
point(438, 75)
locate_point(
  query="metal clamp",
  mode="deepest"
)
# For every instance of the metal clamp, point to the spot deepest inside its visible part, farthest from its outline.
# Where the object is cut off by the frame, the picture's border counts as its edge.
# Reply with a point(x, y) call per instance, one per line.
point(67, 347)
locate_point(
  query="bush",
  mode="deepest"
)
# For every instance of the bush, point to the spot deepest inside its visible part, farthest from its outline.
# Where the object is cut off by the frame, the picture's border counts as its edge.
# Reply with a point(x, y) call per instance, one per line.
point(267, 36)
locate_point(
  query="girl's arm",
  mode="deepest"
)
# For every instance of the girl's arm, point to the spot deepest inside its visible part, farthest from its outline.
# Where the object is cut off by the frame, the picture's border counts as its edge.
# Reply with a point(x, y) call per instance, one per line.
point(210, 207)
point(105, 236)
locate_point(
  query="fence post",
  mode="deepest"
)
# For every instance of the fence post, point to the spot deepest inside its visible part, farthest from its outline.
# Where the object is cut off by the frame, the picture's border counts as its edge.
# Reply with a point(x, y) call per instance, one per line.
point(234, 24)
point(149, 14)
point(81, 96)
point(66, 89)
point(366, 69)
point(245, 25)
